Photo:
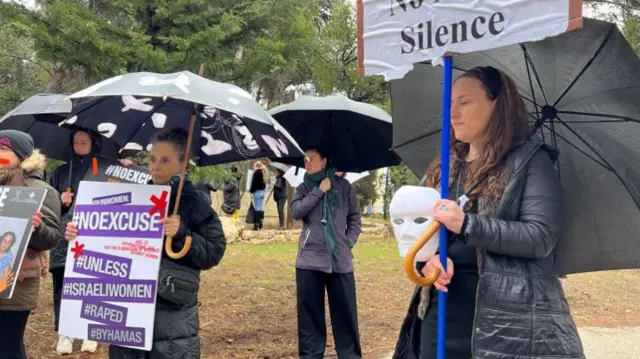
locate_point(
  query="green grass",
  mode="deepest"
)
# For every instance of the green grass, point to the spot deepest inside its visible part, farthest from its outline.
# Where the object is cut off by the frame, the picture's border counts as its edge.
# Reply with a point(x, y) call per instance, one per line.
point(248, 303)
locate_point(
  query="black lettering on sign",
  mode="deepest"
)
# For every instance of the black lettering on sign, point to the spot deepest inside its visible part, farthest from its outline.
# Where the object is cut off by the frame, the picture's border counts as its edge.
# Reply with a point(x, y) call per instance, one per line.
point(424, 36)
point(415, 4)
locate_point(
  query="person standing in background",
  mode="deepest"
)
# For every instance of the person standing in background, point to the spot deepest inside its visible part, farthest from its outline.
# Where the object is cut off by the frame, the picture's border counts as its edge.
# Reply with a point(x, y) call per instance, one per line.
point(258, 186)
point(280, 196)
point(331, 223)
point(231, 194)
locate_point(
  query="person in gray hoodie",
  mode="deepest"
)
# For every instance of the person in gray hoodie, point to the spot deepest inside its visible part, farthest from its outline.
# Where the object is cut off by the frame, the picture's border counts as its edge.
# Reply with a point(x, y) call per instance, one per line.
point(330, 213)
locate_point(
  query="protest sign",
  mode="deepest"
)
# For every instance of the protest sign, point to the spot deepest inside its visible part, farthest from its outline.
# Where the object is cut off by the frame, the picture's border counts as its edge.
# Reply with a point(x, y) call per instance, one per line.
point(111, 273)
point(17, 206)
point(109, 170)
point(395, 34)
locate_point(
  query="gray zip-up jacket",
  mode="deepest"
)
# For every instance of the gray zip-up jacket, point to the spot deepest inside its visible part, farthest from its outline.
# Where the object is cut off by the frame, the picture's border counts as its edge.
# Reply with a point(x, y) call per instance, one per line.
point(312, 248)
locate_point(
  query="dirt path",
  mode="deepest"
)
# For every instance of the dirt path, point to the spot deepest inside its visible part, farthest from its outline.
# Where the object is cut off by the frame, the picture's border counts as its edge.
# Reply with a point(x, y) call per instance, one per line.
point(606, 343)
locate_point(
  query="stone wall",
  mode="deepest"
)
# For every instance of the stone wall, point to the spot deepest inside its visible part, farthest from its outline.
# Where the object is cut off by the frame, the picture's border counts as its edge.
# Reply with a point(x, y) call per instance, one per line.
point(235, 232)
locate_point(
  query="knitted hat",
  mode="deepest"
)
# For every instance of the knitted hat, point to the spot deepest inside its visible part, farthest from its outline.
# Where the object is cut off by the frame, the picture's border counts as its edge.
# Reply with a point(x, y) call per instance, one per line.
point(21, 143)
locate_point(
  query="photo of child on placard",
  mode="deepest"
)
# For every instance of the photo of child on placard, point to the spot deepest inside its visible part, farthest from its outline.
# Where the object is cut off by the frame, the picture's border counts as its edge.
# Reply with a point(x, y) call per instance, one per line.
point(11, 250)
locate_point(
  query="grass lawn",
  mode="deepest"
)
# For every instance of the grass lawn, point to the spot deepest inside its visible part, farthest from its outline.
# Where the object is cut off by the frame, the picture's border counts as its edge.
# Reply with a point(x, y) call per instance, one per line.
point(248, 303)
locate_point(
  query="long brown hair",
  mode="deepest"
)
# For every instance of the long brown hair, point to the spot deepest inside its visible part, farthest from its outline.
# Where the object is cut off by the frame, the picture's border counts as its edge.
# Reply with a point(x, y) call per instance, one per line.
point(507, 128)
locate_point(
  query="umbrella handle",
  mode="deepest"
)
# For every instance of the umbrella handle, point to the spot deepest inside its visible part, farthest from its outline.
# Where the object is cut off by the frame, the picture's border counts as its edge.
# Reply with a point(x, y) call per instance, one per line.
point(410, 259)
point(177, 255)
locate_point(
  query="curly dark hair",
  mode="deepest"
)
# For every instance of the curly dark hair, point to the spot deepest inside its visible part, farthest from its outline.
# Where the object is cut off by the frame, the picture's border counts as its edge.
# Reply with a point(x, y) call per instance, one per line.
point(507, 128)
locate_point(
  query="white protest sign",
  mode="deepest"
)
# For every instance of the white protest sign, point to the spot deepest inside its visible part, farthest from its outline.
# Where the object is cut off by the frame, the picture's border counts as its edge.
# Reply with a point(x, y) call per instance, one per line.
point(395, 34)
point(111, 273)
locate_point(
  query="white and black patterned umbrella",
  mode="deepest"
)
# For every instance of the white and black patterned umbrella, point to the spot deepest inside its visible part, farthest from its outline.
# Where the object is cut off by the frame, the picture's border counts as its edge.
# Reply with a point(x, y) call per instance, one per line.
point(230, 126)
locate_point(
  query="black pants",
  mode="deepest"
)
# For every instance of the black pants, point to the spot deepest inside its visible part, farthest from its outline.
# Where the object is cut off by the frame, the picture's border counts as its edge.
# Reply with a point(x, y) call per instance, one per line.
point(12, 327)
point(281, 203)
point(58, 279)
point(312, 328)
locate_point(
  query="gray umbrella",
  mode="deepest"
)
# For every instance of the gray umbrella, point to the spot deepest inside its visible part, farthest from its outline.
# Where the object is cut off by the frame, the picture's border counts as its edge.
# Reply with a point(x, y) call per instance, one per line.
point(582, 89)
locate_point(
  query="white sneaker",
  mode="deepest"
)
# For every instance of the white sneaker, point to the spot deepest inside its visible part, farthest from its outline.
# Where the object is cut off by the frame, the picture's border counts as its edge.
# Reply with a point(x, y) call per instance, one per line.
point(65, 345)
point(89, 346)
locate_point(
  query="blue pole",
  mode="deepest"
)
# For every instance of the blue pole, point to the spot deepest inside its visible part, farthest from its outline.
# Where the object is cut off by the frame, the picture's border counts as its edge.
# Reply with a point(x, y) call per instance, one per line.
point(444, 190)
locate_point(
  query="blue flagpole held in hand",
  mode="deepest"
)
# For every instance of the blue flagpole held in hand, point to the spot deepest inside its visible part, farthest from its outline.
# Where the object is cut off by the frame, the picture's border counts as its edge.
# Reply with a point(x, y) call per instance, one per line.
point(444, 191)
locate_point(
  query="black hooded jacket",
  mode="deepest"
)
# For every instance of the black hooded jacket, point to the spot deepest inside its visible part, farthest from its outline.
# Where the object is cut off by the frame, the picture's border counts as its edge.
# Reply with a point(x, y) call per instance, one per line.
point(61, 179)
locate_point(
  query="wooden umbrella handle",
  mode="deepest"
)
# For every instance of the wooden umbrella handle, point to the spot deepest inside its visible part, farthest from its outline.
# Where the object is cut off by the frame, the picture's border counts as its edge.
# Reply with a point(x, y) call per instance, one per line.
point(187, 241)
point(182, 252)
point(410, 259)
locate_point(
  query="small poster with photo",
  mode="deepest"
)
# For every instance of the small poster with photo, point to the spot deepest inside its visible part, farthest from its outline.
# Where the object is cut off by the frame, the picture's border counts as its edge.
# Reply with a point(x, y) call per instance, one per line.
point(17, 206)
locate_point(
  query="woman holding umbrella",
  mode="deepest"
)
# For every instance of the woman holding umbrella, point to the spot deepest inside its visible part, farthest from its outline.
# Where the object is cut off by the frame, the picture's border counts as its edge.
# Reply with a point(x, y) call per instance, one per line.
point(66, 179)
point(329, 210)
point(505, 300)
point(176, 329)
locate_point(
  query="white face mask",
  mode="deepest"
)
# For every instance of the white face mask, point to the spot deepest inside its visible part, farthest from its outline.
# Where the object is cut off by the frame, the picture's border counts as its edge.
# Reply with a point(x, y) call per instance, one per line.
point(411, 211)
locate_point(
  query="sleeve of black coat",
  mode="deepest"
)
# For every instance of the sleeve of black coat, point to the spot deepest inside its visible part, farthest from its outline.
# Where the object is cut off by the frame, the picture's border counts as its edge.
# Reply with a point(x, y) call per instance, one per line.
point(47, 232)
point(536, 233)
point(208, 243)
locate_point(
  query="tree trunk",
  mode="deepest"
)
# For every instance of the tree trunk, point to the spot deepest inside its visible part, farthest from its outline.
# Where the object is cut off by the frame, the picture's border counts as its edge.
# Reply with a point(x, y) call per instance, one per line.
point(64, 80)
point(274, 89)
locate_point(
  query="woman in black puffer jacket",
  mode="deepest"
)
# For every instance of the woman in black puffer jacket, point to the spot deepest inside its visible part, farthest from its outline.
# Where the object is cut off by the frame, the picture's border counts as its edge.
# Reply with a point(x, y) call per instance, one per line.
point(505, 300)
point(176, 325)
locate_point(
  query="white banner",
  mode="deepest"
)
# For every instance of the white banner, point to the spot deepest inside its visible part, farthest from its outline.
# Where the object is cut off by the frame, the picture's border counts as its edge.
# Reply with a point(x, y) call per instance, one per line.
point(111, 275)
point(295, 179)
point(395, 34)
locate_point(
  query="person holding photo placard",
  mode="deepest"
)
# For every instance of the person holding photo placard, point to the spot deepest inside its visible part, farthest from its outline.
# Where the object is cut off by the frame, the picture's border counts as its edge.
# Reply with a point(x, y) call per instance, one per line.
point(176, 323)
point(23, 166)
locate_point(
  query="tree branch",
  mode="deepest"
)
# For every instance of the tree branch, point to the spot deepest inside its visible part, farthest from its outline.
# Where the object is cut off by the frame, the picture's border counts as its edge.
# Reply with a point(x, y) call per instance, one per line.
point(616, 3)
point(28, 59)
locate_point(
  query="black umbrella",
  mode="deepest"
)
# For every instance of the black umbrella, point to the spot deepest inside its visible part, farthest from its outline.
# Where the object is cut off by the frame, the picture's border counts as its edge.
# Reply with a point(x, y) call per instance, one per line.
point(582, 89)
point(39, 116)
point(357, 137)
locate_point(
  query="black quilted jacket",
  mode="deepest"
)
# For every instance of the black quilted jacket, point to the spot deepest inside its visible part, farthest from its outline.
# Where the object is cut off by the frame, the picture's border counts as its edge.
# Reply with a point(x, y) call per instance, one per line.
point(176, 332)
point(521, 309)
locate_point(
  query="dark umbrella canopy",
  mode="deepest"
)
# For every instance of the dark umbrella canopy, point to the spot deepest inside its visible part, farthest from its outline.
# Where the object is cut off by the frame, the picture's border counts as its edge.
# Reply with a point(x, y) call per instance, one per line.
point(39, 116)
point(230, 126)
point(582, 90)
point(356, 136)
